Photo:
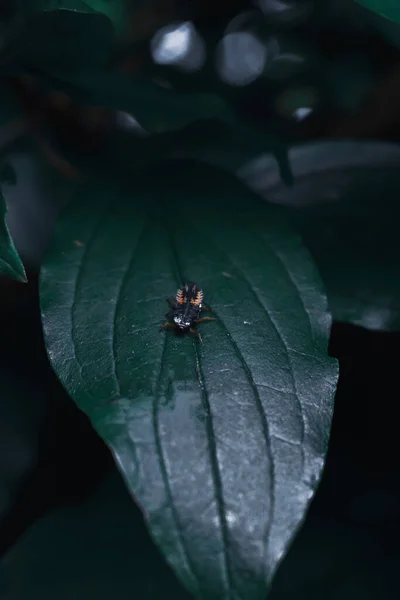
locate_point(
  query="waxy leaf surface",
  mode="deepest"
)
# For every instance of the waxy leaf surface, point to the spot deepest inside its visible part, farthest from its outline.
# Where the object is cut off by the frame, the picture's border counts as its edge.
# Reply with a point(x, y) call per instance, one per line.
point(221, 444)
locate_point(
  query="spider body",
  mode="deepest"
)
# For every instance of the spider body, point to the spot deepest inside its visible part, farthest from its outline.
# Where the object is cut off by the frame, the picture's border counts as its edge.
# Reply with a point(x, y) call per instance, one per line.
point(185, 309)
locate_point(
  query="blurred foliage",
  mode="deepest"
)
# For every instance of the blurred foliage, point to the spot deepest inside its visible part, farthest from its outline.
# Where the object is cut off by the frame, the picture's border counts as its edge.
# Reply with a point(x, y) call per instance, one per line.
point(345, 203)
point(66, 41)
point(388, 8)
point(118, 11)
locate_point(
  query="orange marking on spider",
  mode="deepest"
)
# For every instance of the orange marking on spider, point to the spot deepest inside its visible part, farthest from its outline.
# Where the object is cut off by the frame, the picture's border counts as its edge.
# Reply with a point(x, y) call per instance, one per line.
point(180, 298)
point(197, 299)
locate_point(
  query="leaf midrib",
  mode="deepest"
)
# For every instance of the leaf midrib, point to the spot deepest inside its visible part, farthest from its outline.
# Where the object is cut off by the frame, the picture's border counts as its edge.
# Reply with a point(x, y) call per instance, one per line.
point(218, 489)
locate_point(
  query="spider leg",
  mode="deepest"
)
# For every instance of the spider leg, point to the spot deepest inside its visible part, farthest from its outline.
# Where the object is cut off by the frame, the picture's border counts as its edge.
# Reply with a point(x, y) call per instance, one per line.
point(205, 319)
point(207, 308)
point(196, 333)
point(169, 314)
point(167, 326)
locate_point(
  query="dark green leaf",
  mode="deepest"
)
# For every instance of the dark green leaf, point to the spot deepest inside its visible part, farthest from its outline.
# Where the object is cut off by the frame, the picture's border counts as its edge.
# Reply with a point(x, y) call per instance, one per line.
point(387, 27)
point(210, 142)
point(387, 8)
point(74, 46)
point(79, 6)
point(242, 144)
point(65, 42)
point(222, 444)
point(345, 203)
point(10, 263)
point(156, 108)
point(118, 11)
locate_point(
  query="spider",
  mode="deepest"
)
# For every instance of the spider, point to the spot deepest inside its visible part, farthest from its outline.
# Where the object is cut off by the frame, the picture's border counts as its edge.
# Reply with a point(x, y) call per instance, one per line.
point(186, 308)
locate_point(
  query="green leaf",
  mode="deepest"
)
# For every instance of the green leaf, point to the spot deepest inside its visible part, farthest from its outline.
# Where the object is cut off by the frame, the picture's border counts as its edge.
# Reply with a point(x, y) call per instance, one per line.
point(386, 8)
point(65, 42)
point(117, 11)
point(345, 204)
point(156, 108)
point(221, 444)
point(388, 27)
point(74, 46)
point(10, 263)
point(79, 6)
point(241, 144)
point(209, 142)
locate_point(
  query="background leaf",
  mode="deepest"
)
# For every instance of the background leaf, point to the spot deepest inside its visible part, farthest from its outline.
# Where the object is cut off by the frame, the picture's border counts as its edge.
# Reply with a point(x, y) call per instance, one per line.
point(64, 42)
point(155, 107)
point(117, 11)
point(345, 202)
point(222, 445)
point(387, 8)
point(74, 47)
point(33, 203)
point(10, 263)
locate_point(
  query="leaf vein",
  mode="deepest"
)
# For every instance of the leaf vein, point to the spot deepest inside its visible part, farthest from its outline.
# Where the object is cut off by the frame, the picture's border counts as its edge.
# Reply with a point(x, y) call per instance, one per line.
point(218, 487)
point(164, 473)
point(284, 342)
point(89, 242)
point(210, 436)
point(251, 287)
point(119, 295)
point(299, 294)
point(265, 428)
